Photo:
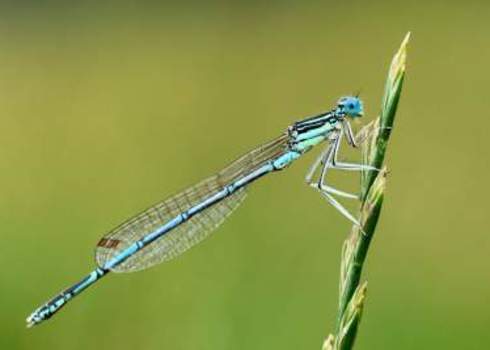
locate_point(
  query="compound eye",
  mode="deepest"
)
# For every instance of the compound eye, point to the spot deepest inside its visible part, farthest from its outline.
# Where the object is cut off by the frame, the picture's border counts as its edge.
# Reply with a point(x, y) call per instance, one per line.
point(351, 106)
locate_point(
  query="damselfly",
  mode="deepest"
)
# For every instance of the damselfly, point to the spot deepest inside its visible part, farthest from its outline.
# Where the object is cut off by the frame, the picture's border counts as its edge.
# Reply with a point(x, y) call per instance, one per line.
point(170, 227)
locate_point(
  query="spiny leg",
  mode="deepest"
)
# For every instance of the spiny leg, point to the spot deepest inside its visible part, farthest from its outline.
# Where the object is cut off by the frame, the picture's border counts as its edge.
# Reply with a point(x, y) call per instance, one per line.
point(322, 159)
point(335, 164)
point(327, 162)
point(333, 190)
point(329, 155)
point(340, 208)
point(319, 160)
point(347, 130)
point(352, 166)
point(327, 191)
point(325, 159)
point(328, 158)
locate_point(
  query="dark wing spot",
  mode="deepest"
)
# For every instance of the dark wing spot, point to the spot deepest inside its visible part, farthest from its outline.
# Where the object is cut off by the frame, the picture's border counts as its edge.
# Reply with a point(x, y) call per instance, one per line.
point(108, 243)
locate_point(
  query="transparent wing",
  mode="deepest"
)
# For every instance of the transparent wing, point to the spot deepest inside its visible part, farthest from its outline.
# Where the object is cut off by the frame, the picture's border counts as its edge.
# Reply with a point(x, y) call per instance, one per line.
point(174, 242)
point(188, 234)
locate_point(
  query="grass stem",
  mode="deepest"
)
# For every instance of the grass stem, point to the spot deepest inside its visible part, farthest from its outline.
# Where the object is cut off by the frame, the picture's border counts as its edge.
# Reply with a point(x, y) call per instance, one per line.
point(376, 134)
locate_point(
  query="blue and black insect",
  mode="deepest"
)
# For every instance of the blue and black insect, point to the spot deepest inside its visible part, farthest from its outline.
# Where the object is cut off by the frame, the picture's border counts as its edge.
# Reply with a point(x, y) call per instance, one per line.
point(172, 226)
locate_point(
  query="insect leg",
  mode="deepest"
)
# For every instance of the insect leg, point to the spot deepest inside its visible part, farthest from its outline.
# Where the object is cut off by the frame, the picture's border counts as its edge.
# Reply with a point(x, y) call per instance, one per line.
point(326, 160)
point(319, 160)
point(327, 191)
point(340, 208)
point(345, 165)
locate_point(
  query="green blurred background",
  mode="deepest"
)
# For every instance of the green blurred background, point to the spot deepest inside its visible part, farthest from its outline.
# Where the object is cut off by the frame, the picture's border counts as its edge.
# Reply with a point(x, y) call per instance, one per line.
point(108, 108)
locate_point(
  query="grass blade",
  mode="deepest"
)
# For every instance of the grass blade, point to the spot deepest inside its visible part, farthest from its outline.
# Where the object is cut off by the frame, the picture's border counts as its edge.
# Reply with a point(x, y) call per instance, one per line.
point(376, 136)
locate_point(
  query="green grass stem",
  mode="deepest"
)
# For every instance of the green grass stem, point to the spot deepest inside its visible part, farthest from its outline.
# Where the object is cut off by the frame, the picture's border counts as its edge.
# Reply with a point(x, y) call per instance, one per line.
point(375, 138)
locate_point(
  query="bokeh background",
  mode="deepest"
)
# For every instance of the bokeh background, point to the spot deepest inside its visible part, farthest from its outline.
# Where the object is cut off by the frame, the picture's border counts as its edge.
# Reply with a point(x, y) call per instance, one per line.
point(108, 108)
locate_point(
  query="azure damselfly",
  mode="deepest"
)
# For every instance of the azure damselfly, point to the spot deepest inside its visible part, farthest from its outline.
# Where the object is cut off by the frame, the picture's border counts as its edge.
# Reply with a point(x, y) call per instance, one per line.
point(172, 226)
